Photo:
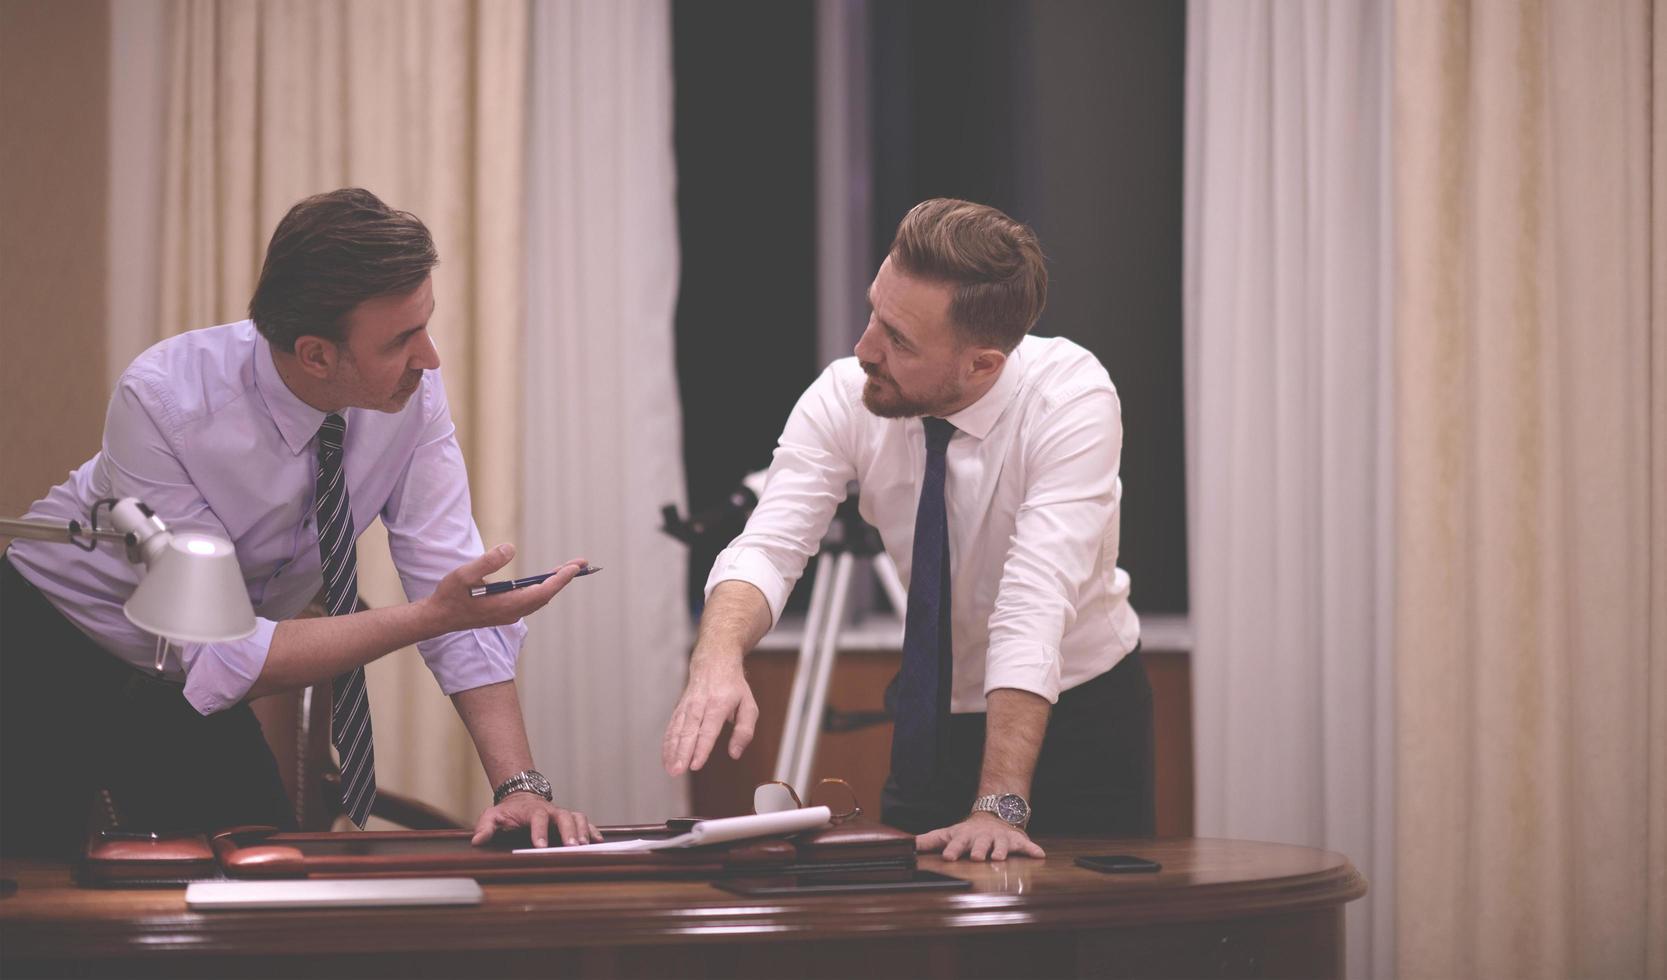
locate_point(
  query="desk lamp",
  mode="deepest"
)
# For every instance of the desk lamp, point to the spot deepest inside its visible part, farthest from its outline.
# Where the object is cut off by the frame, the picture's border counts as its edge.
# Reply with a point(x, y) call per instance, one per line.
point(191, 589)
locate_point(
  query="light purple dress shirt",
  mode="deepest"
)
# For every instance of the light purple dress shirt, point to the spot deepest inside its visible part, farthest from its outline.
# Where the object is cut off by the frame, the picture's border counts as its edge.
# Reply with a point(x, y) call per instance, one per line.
point(203, 429)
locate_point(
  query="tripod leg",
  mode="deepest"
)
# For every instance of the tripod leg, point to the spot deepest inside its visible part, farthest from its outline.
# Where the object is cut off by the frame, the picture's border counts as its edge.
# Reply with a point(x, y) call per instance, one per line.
point(886, 571)
point(827, 650)
point(792, 730)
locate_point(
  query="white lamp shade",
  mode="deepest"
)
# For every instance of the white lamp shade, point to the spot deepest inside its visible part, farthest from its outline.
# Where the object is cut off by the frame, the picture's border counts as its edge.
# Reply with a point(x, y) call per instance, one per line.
point(193, 593)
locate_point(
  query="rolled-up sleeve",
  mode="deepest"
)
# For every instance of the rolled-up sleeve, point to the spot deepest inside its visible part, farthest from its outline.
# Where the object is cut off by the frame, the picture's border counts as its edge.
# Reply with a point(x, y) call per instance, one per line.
point(219, 675)
point(807, 480)
point(431, 531)
point(1071, 485)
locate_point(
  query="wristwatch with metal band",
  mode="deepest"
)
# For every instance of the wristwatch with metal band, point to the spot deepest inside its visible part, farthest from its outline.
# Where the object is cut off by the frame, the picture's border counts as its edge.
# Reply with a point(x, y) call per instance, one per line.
point(1010, 807)
point(525, 781)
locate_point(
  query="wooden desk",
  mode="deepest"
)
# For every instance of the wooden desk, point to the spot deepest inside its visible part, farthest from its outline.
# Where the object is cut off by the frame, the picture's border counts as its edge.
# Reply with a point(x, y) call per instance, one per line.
point(1218, 908)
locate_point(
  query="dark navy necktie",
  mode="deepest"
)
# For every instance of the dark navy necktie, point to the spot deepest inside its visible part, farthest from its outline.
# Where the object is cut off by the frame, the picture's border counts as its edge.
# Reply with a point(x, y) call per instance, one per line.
point(923, 683)
point(350, 711)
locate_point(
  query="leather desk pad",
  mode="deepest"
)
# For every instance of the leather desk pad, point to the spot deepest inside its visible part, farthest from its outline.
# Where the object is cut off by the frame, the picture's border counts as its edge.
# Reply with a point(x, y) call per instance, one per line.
point(250, 852)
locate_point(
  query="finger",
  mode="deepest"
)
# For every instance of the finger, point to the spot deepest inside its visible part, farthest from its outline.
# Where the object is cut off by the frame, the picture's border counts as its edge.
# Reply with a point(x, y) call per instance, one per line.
point(533, 597)
point(486, 564)
point(711, 723)
point(746, 722)
point(668, 742)
point(955, 847)
point(998, 852)
point(539, 827)
point(1030, 847)
point(566, 827)
point(980, 848)
point(483, 828)
point(583, 831)
point(933, 841)
point(686, 734)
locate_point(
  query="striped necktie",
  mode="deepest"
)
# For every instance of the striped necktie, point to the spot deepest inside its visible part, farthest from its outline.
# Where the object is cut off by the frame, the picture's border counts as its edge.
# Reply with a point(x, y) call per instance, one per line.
point(350, 712)
point(923, 682)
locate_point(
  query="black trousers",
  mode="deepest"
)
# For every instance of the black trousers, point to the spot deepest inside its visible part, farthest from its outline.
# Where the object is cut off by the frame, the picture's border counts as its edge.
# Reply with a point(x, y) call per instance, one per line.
point(1094, 775)
point(75, 721)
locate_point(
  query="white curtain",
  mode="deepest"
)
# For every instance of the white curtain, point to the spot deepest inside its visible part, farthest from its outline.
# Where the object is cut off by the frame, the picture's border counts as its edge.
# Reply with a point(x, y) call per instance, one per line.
point(603, 449)
point(1287, 392)
point(1531, 484)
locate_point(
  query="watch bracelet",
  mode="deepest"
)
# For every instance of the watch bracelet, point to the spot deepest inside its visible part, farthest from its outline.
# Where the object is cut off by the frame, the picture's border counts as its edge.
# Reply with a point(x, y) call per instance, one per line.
point(522, 782)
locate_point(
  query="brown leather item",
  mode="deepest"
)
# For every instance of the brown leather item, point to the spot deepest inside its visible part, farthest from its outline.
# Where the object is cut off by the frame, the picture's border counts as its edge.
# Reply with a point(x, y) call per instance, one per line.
point(848, 842)
point(117, 857)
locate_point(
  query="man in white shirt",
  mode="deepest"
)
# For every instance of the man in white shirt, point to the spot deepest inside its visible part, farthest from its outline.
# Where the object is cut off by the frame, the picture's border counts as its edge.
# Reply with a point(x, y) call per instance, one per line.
point(987, 460)
point(286, 434)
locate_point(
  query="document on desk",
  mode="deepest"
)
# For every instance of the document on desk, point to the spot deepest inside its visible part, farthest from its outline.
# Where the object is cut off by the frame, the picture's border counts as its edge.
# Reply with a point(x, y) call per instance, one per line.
point(717, 831)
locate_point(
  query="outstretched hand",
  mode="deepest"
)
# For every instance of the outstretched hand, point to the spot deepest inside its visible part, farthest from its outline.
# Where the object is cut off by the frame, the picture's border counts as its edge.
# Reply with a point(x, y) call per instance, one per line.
point(458, 610)
point(717, 692)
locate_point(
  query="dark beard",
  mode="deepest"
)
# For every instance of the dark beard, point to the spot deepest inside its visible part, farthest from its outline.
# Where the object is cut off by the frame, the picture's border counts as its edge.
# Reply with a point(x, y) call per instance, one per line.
point(898, 407)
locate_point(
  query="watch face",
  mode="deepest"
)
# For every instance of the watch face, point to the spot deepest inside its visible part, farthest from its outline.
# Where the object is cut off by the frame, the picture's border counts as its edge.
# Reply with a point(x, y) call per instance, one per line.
point(539, 784)
point(1012, 808)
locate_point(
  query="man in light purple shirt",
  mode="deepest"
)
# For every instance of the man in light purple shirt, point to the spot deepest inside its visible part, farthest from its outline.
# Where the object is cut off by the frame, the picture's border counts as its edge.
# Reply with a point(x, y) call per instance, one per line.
point(219, 431)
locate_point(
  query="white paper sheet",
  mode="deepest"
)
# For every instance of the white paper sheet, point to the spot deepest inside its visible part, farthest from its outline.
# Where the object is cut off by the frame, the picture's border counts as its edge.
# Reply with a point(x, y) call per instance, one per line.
point(710, 832)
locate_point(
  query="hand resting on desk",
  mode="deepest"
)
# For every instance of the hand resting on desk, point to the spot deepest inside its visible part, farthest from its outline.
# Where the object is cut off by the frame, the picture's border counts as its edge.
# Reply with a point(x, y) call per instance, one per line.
point(980, 836)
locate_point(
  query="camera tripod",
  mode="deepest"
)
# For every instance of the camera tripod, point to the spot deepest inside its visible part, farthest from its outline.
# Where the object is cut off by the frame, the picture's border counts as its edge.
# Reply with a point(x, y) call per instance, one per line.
point(848, 539)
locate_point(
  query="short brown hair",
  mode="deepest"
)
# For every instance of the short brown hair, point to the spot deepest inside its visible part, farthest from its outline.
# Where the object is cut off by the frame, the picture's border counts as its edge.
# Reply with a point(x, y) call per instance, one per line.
point(332, 252)
point(994, 263)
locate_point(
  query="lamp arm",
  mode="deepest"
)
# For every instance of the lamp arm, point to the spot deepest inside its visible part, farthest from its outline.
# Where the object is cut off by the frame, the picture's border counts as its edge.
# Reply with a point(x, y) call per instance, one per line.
point(135, 525)
point(72, 532)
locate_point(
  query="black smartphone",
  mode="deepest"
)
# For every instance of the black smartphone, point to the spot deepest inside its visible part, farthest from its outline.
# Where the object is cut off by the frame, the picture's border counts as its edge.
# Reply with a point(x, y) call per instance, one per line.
point(827, 882)
point(1117, 863)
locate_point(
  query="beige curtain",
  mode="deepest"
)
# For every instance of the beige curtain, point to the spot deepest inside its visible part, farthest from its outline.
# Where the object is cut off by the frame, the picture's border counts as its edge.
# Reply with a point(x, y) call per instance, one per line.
point(424, 104)
point(1531, 615)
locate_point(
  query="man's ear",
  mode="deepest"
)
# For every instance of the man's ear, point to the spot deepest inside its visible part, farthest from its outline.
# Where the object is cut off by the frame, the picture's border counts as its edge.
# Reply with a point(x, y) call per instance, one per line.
point(986, 363)
point(316, 356)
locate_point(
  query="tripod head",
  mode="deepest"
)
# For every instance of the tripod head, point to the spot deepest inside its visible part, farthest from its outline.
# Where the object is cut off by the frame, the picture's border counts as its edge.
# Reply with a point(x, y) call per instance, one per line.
point(847, 532)
point(725, 519)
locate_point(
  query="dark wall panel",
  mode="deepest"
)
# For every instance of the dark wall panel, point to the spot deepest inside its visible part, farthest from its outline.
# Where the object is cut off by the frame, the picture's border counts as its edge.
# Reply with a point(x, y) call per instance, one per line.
point(1066, 114)
point(746, 203)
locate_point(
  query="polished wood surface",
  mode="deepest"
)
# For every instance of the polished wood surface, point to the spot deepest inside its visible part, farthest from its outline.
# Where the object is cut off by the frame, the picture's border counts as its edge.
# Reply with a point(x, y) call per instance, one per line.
point(862, 757)
point(1230, 908)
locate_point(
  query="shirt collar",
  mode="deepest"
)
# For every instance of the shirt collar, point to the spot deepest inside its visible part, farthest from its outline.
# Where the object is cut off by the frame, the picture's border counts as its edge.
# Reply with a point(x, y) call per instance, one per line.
point(297, 421)
point(980, 417)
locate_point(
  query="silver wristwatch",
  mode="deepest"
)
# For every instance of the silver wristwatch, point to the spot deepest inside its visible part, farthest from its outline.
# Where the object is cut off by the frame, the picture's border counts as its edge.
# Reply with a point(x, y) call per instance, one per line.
point(1010, 807)
point(525, 781)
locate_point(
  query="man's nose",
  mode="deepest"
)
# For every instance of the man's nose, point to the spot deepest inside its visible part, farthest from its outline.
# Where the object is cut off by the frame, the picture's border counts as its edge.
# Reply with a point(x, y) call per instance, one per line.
point(865, 345)
point(428, 355)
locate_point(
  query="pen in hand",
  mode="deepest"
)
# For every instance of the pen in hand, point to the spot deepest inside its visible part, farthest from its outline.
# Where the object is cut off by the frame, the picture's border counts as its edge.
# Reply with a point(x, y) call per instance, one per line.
point(493, 588)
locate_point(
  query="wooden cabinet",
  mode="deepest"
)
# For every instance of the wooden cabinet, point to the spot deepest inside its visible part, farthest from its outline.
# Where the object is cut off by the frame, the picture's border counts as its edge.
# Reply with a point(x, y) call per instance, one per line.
point(862, 757)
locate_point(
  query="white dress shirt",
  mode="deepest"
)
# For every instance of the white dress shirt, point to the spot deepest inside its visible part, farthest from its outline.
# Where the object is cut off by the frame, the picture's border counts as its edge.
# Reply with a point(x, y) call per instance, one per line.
point(203, 429)
point(1037, 600)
